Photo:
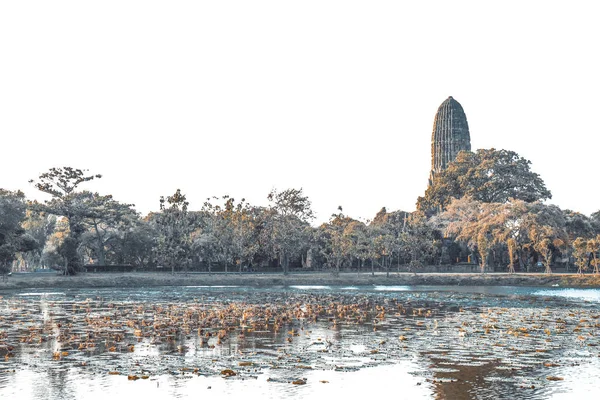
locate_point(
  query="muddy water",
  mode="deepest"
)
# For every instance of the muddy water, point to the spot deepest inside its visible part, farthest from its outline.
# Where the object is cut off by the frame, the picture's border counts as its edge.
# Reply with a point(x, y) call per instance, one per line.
point(300, 342)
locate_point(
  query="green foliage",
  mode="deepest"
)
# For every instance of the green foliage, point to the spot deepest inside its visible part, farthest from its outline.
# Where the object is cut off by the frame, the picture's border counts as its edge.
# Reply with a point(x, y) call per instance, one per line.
point(106, 221)
point(228, 234)
point(174, 227)
point(474, 223)
point(135, 245)
point(581, 254)
point(291, 202)
point(61, 183)
point(516, 225)
point(287, 228)
point(401, 237)
point(593, 247)
point(417, 240)
point(75, 224)
point(94, 221)
point(546, 230)
point(39, 226)
point(388, 235)
point(489, 175)
point(340, 238)
point(13, 238)
point(578, 225)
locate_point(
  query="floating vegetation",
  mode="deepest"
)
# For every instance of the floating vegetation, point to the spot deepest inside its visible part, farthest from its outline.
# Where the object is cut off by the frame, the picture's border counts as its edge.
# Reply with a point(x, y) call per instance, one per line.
point(452, 338)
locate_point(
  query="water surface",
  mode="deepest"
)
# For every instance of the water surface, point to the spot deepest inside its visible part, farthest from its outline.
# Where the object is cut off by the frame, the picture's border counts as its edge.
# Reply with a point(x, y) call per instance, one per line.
point(295, 342)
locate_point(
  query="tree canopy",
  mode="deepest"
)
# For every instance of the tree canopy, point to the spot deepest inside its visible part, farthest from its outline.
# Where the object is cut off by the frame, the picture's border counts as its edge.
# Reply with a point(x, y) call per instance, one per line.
point(174, 226)
point(288, 224)
point(488, 175)
point(490, 216)
point(533, 230)
point(12, 235)
point(70, 204)
point(60, 182)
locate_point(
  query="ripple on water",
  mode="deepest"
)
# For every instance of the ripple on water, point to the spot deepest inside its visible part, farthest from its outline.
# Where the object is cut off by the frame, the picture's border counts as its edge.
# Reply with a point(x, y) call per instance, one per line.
point(211, 286)
point(392, 288)
point(444, 370)
point(504, 379)
point(575, 294)
point(41, 294)
point(310, 287)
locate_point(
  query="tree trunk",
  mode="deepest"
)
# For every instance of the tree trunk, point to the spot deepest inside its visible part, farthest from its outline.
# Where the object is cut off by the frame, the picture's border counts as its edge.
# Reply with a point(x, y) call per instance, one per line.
point(100, 245)
point(69, 250)
point(387, 266)
point(283, 263)
point(484, 261)
point(511, 256)
point(548, 260)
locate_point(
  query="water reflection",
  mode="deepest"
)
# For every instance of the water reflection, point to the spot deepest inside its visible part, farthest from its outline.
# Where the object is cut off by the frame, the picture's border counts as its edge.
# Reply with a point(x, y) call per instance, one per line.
point(468, 343)
point(592, 295)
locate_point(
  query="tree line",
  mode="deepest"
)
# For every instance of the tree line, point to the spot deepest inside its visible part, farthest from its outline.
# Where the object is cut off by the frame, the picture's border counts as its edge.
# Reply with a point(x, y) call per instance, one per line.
point(486, 208)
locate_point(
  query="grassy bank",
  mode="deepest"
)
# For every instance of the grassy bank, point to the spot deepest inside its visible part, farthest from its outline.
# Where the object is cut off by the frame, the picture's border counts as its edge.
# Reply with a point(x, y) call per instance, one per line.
point(140, 279)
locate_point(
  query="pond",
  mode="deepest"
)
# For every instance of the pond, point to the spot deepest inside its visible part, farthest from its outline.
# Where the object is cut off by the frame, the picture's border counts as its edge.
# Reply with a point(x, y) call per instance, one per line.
point(228, 342)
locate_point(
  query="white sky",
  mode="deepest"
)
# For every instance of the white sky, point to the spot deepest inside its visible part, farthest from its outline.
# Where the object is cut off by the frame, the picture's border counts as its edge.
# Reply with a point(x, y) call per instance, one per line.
point(336, 97)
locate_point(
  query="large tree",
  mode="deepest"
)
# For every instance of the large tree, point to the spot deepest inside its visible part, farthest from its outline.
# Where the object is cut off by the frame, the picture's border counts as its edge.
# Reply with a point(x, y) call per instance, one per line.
point(12, 235)
point(417, 240)
point(338, 239)
point(136, 243)
point(547, 232)
point(476, 224)
point(106, 220)
point(595, 221)
point(488, 175)
point(227, 233)
point(287, 227)
point(384, 234)
point(61, 184)
point(578, 225)
point(581, 254)
point(402, 235)
point(174, 227)
point(533, 231)
point(40, 226)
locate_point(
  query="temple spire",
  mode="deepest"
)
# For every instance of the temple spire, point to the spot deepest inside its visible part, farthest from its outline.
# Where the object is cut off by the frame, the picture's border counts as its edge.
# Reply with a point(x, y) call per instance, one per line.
point(450, 135)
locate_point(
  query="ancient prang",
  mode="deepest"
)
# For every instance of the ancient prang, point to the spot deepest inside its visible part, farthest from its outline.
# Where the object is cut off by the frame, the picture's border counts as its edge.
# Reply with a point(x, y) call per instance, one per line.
point(450, 136)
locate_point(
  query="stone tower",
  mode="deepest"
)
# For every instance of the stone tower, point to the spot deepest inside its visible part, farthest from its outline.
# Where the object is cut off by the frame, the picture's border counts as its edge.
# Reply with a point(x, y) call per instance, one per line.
point(450, 135)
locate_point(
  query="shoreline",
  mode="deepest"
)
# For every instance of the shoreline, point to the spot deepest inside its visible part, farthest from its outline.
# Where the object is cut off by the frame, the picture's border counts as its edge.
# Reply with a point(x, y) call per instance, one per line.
point(148, 279)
